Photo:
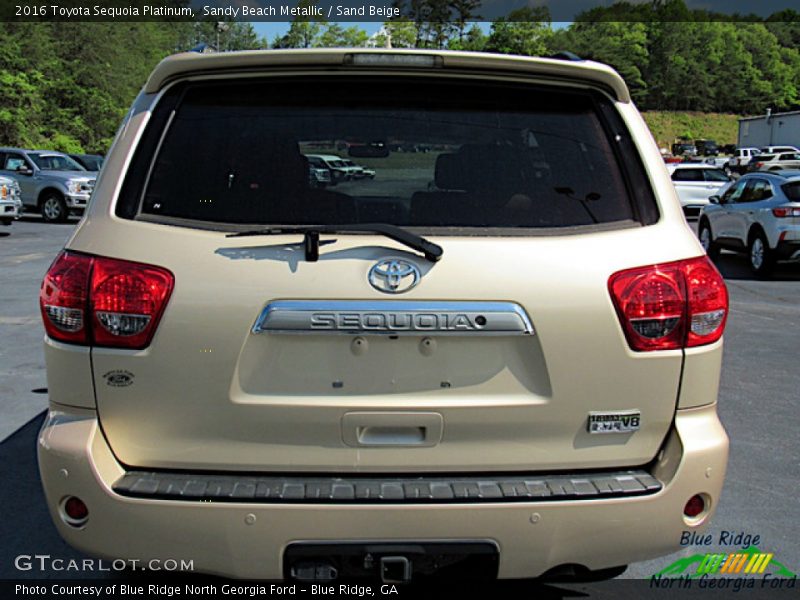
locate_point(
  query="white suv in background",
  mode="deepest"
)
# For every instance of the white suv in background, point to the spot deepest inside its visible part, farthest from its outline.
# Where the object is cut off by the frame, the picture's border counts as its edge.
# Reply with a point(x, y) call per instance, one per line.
point(695, 183)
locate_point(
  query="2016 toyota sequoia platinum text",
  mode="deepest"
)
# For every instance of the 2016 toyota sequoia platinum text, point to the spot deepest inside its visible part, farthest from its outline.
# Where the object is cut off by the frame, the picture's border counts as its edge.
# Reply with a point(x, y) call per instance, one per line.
point(499, 357)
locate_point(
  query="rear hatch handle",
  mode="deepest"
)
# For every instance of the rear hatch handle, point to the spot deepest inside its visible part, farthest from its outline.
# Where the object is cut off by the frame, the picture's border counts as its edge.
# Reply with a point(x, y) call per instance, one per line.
point(432, 252)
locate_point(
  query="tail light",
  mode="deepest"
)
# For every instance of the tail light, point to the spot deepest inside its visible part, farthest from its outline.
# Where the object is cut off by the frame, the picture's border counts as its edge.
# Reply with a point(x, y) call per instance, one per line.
point(783, 212)
point(63, 298)
point(758, 165)
point(103, 301)
point(670, 306)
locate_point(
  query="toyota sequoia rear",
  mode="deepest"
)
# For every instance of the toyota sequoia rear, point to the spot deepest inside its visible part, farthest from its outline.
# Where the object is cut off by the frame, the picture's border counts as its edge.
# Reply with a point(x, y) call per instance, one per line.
point(499, 357)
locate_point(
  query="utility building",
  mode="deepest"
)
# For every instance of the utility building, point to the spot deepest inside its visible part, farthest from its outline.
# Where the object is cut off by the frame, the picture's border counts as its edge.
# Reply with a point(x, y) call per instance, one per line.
point(779, 129)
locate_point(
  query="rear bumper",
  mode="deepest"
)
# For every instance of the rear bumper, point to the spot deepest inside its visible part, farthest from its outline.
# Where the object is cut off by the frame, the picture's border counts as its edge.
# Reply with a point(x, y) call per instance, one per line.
point(248, 539)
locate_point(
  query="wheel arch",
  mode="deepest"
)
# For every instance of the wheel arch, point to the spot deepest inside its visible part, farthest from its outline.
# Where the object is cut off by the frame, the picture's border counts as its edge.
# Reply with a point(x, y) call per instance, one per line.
point(45, 191)
point(755, 229)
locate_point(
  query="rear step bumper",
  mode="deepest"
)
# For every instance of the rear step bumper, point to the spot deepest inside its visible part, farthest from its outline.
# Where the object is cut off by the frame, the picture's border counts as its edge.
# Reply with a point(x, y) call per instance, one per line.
point(247, 538)
point(363, 490)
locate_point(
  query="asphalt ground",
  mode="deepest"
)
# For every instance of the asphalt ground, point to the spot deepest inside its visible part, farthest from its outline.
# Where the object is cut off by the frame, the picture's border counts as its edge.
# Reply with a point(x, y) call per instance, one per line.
point(759, 395)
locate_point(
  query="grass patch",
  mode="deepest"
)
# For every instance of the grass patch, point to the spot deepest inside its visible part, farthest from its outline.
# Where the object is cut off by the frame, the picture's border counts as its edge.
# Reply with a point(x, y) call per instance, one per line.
point(667, 126)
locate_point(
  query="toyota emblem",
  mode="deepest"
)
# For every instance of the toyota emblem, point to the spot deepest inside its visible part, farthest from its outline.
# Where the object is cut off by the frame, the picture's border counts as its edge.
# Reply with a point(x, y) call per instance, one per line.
point(394, 276)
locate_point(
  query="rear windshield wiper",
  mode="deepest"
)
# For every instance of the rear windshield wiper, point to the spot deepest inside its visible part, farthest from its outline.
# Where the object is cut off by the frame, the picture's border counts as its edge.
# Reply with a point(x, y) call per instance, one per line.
point(433, 252)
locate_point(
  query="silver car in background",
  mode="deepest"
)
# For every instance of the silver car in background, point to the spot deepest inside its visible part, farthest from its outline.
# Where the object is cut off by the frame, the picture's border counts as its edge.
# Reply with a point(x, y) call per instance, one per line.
point(775, 162)
point(759, 214)
point(51, 183)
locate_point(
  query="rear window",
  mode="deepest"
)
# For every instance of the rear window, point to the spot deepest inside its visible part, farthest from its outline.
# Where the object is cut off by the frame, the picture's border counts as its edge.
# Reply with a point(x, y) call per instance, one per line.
point(792, 190)
point(449, 155)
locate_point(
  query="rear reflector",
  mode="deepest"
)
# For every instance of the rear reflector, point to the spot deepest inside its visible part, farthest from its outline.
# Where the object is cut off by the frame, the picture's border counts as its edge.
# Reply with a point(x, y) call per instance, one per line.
point(74, 511)
point(695, 506)
point(125, 300)
point(670, 306)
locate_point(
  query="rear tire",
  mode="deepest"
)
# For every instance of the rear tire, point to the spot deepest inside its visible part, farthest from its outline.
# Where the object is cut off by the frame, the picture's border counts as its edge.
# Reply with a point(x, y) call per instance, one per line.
point(760, 256)
point(54, 209)
point(707, 240)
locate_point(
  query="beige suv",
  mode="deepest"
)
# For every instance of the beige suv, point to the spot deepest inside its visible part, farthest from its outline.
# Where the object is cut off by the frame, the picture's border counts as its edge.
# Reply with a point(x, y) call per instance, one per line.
point(500, 358)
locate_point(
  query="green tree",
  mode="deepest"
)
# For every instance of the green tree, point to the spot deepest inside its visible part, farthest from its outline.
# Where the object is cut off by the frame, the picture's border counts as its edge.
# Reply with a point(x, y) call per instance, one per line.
point(624, 46)
point(464, 11)
point(336, 36)
point(524, 31)
point(232, 35)
point(397, 34)
point(785, 26)
point(304, 32)
point(473, 40)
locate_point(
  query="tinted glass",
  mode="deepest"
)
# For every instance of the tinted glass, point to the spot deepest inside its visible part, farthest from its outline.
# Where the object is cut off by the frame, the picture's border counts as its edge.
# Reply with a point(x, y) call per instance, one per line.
point(15, 162)
point(757, 189)
point(687, 175)
point(459, 156)
point(792, 190)
point(55, 162)
point(715, 175)
point(734, 193)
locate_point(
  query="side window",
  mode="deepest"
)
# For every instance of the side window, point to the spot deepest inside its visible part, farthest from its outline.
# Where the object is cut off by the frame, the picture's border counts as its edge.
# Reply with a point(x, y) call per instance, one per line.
point(759, 189)
point(716, 175)
point(734, 193)
point(687, 175)
point(14, 162)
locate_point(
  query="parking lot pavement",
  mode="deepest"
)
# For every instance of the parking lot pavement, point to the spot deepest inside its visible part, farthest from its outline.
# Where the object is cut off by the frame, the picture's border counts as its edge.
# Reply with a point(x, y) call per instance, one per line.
point(27, 248)
point(758, 397)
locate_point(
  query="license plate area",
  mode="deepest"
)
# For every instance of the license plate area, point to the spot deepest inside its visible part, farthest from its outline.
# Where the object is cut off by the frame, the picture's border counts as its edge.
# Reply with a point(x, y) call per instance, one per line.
point(390, 562)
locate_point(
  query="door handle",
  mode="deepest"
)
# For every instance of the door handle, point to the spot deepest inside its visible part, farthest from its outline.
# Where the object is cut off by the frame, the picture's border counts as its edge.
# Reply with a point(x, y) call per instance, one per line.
point(382, 429)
